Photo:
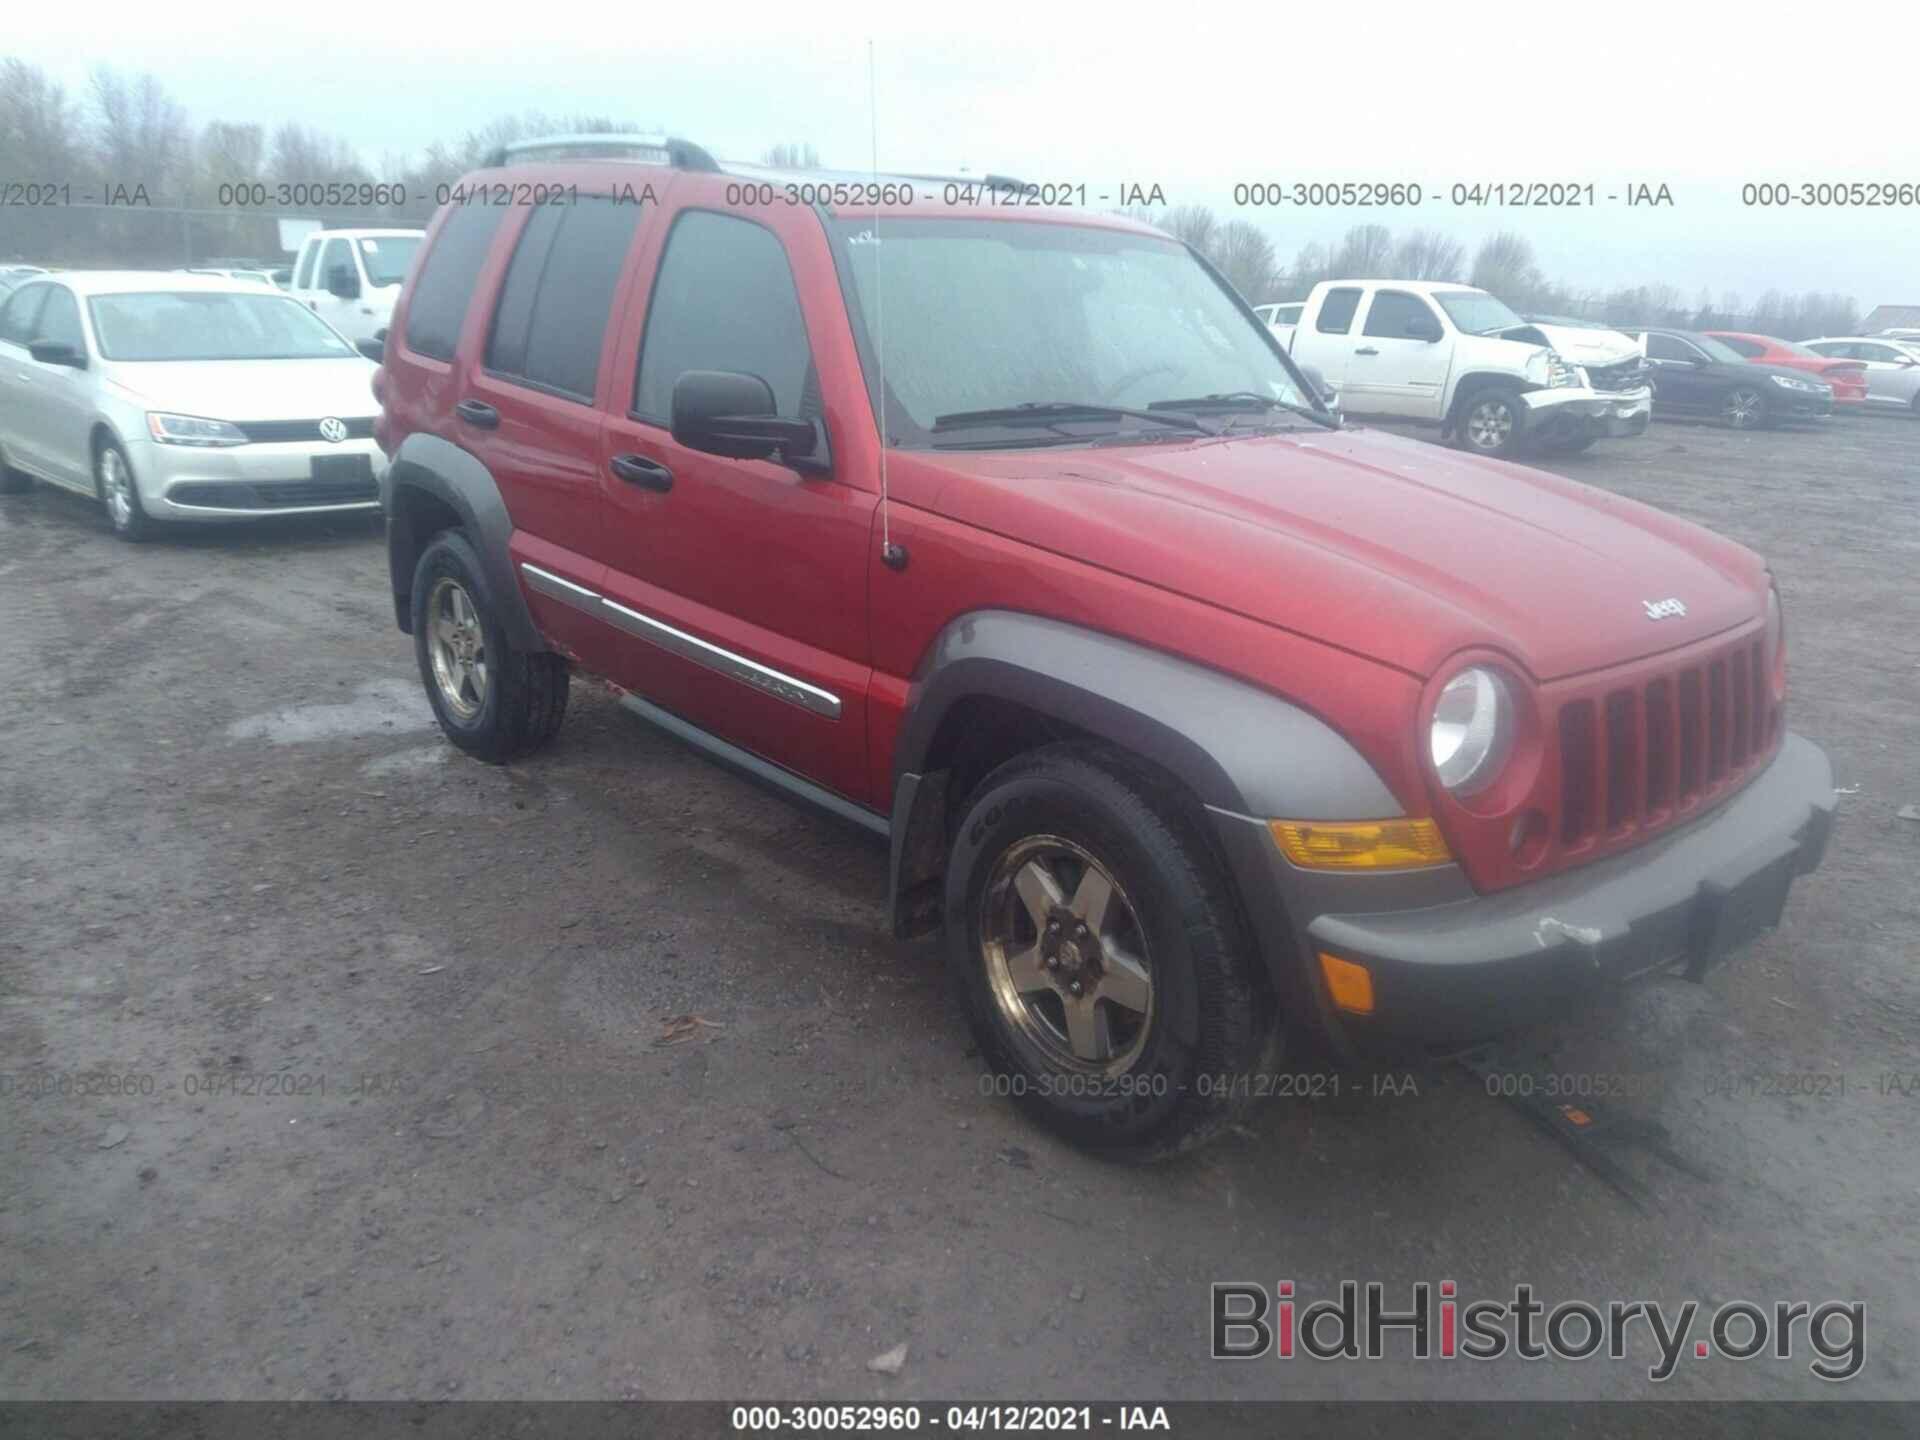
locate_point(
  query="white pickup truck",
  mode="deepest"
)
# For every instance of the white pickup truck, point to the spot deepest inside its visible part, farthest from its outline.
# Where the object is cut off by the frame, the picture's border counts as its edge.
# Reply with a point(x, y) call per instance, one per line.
point(350, 278)
point(1446, 354)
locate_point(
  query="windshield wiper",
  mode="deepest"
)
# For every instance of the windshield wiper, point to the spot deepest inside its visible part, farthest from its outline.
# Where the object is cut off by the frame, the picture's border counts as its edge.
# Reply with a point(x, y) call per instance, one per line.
point(1048, 412)
point(1247, 400)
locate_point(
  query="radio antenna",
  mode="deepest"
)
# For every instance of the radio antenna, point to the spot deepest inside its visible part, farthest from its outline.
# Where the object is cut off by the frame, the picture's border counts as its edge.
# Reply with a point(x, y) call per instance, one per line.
point(893, 556)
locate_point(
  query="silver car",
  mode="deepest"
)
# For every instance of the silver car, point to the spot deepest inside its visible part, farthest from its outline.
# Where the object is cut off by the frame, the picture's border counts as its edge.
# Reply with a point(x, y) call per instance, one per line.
point(170, 396)
point(1893, 367)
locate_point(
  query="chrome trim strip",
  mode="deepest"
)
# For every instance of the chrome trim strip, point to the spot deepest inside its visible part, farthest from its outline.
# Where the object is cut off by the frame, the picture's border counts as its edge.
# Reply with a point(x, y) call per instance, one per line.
point(724, 662)
point(750, 764)
point(262, 512)
point(565, 591)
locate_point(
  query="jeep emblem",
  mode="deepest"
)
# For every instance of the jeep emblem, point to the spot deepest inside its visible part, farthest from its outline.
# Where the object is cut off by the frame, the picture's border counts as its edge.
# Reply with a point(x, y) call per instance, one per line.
point(1661, 609)
point(332, 429)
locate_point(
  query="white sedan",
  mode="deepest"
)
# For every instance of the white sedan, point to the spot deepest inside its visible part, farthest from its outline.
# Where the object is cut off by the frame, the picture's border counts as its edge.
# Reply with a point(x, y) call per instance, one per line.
point(1893, 367)
point(183, 397)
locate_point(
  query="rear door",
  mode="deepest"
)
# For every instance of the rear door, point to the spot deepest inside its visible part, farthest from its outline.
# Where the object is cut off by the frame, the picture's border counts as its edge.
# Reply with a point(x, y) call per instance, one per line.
point(1400, 365)
point(19, 377)
point(533, 405)
point(1328, 340)
point(741, 585)
point(64, 396)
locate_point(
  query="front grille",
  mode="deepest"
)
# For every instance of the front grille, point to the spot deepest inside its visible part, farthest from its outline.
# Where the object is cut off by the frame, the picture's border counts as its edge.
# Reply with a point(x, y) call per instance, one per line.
point(1636, 754)
point(278, 495)
point(1634, 374)
point(281, 432)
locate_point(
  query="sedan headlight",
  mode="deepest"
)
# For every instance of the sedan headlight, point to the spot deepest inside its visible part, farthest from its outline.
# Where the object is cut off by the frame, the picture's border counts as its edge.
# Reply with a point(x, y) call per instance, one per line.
point(1472, 730)
point(1788, 382)
point(192, 430)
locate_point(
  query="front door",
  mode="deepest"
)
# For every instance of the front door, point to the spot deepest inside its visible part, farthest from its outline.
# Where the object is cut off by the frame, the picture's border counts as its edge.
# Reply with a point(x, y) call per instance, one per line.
point(741, 585)
point(1400, 365)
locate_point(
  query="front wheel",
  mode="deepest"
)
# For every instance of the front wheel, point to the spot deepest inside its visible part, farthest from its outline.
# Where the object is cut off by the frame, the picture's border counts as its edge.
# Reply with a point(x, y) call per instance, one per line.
point(494, 702)
point(1101, 961)
point(1490, 422)
point(114, 483)
point(1745, 408)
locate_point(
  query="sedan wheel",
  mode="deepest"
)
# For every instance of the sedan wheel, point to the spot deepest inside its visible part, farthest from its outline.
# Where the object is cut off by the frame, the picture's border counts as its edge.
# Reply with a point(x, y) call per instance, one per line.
point(113, 478)
point(1745, 408)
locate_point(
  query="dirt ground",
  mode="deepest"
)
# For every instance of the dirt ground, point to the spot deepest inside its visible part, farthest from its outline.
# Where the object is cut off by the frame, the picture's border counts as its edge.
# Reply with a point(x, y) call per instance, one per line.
point(405, 1110)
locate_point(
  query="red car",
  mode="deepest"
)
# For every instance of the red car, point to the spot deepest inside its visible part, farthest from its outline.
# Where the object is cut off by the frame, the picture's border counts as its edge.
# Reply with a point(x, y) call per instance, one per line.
point(1847, 377)
point(1188, 713)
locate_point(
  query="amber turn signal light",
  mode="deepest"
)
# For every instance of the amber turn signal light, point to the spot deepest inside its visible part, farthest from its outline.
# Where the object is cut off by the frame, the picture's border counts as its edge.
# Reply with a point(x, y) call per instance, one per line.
point(1361, 844)
point(1349, 986)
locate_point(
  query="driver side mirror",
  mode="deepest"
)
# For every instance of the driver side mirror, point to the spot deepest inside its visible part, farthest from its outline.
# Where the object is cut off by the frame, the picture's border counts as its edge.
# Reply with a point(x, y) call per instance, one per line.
point(342, 282)
point(54, 352)
point(724, 412)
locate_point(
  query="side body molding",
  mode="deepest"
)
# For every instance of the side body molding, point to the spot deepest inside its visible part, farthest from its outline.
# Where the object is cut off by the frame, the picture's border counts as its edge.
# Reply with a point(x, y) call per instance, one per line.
point(452, 476)
point(1236, 748)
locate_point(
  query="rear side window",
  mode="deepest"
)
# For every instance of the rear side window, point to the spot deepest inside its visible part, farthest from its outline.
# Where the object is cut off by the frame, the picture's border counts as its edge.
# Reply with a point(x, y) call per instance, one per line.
point(1391, 311)
point(1744, 347)
point(303, 277)
point(445, 284)
point(337, 256)
point(16, 321)
point(724, 300)
point(552, 315)
point(1336, 312)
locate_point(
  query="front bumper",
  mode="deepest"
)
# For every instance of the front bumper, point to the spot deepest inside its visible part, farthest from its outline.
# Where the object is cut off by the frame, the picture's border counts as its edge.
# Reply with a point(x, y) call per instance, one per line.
point(246, 482)
point(1800, 404)
point(1577, 410)
point(1451, 967)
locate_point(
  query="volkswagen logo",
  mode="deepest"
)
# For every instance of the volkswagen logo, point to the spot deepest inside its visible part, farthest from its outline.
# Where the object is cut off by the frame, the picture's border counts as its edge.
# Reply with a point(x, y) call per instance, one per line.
point(332, 429)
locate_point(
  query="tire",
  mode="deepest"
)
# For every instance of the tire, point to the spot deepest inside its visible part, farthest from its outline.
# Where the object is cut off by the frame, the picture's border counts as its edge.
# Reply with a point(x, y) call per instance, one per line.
point(12, 481)
point(1171, 1004)
point(119, 495)
point(1490, 422)
point(494, 702)
point(1744, 407)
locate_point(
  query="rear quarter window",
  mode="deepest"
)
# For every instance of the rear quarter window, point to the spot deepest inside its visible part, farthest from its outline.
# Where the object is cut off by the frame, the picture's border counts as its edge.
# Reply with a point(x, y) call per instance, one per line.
point(438, 306)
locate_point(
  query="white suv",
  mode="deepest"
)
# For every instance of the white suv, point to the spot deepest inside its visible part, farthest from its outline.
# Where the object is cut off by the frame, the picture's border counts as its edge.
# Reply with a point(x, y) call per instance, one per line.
point(350, 278)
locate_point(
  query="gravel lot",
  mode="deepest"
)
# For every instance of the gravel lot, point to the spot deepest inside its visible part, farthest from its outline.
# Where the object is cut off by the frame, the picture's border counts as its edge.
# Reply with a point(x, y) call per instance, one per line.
point(413, 1115)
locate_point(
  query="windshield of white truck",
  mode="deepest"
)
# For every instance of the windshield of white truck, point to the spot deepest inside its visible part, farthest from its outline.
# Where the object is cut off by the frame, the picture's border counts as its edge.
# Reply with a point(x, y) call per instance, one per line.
point(1477, 312)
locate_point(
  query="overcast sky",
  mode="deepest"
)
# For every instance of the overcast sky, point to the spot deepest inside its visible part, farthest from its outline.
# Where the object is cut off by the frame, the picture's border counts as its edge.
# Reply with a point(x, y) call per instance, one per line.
point(1193, 98)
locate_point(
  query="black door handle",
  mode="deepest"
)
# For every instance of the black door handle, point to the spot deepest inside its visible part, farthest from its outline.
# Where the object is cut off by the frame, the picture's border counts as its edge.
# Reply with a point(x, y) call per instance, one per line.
point(478, 412)
point(639, 470)
point(1366, 350)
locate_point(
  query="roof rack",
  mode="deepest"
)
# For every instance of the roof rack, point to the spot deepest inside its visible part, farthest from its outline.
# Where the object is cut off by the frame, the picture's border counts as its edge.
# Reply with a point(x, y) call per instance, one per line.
point(642, 149)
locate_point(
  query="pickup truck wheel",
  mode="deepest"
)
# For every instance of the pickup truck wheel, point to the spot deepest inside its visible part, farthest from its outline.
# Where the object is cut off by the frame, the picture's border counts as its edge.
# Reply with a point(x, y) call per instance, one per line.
point(1745, 408)
point(1490, 422)
point(1099, 956)
point(494, 702)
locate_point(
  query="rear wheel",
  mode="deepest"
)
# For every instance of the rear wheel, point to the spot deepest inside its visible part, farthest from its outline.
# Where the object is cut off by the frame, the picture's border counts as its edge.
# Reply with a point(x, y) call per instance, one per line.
point(1102, 963)
point(494, 702)
point(1490, 422)
point(1745, 408)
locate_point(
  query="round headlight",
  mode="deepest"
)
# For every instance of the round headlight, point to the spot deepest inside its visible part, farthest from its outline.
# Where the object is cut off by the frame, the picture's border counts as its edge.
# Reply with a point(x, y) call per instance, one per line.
point(1472, 730)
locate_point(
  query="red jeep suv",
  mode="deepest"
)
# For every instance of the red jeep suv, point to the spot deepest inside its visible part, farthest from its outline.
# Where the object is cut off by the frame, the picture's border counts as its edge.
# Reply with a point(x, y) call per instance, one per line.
point(1010, 534)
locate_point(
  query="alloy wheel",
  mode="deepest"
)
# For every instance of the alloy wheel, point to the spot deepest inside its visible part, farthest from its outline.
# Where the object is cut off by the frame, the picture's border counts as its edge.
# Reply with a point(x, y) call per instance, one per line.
point(1066, 958)
point(116, 487)
point(1489, 424)
point(1743, 408)
point(458, 646)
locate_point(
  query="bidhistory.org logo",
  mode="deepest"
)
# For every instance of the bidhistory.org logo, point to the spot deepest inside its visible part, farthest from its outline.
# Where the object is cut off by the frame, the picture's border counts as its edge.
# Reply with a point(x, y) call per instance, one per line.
point(1250, 1324)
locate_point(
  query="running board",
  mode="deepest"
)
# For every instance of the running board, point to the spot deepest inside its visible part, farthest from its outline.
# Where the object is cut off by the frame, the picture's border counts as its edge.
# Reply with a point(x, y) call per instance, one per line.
point(752, 766)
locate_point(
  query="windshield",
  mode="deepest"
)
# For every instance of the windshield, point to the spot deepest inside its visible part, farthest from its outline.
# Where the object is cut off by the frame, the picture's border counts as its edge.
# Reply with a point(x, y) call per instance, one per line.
point(210, 325)
point(387, 257)
point(982, 315)
point(1718, 350)
point(1477, 312)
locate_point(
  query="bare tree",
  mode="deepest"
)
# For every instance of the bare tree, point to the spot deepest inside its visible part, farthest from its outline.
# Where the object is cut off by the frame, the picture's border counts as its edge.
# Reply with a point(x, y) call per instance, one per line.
point(40, 139)
point(1429, 255)
point(1243, 253)
point(140, 132)
point(791, 157)
point(1366, 252)
point(1195, 224)
point(1504, 265)
point(1311, 265)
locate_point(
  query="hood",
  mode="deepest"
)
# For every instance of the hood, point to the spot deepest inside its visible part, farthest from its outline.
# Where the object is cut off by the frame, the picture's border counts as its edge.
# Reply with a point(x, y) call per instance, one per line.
point(252, 389)
point(1593, 348)
point(1387, 547)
